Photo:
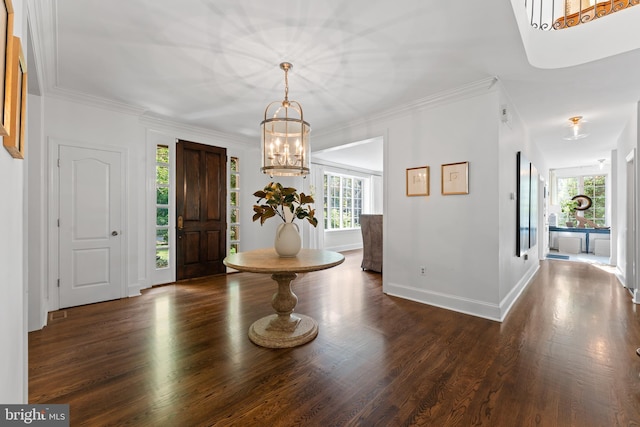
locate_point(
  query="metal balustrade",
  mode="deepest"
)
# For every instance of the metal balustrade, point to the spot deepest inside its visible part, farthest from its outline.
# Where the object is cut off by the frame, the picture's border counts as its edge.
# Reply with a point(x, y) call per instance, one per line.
point(559, 14)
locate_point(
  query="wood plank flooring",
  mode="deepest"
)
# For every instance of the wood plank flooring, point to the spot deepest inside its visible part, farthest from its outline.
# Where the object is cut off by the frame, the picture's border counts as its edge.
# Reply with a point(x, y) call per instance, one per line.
point(179, 356)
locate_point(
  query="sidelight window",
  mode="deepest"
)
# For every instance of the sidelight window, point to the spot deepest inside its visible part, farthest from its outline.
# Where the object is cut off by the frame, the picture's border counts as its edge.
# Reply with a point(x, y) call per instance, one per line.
point(234, 208)
point(162, 206)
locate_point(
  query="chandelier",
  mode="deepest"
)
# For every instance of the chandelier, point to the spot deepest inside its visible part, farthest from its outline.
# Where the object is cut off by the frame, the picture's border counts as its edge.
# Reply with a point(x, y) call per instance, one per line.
point(285, 136)
point(576, 129)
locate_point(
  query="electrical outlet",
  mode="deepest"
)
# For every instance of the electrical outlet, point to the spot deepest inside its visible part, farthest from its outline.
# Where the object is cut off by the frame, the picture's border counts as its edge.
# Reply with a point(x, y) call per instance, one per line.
point(423, 271)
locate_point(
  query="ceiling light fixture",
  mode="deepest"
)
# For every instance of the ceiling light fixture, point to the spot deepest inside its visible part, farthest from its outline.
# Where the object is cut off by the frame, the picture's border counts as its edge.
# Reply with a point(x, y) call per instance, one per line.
point(576, 129)
point(285, 136)
point(601, 165)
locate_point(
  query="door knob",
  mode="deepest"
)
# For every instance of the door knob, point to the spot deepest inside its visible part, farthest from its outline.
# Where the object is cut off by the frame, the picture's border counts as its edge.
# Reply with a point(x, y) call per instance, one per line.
point(114, 233)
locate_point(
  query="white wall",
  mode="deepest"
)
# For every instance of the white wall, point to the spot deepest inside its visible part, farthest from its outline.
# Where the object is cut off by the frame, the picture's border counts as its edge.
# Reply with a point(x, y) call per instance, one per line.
point(37, 218)
point(627, 142)
point(465, 242)
point(13, 271)
point(72, 123)
point(515, 272)
point(79, 123)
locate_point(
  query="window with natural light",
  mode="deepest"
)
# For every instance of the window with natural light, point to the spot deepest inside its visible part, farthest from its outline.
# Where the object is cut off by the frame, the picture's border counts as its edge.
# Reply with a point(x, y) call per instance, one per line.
point(343, 201)
point(162, 206)
point(593, 186)
point(234, 210)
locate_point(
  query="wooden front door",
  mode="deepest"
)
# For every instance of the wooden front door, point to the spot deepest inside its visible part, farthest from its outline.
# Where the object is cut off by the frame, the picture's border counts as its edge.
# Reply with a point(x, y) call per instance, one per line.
point(201, 200)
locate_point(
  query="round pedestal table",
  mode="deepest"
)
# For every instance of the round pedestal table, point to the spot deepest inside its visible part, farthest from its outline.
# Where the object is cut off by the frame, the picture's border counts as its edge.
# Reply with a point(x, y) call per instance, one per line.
point(283, 329)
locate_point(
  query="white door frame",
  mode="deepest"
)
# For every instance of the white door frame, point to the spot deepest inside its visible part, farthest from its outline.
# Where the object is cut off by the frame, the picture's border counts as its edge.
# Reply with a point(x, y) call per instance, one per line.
point(54, 214)
point(631, 262)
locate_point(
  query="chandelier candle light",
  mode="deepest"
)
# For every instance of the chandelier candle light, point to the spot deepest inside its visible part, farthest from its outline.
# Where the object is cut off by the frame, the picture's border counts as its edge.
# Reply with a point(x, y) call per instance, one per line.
point(285, 136)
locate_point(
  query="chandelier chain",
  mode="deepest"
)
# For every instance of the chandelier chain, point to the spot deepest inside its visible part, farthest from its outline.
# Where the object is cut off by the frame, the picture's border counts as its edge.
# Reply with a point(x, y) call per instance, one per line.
point(286, 82)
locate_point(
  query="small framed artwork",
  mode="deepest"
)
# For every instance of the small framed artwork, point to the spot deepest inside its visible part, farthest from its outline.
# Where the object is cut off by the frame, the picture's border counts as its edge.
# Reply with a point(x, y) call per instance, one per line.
point(418, 181)
point(455, 178)
point(17, 93)
point(6, 45)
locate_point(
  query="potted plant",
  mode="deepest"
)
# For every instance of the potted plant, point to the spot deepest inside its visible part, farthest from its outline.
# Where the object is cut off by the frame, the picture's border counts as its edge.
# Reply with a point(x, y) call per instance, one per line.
point(568, 207)
point(285, 203)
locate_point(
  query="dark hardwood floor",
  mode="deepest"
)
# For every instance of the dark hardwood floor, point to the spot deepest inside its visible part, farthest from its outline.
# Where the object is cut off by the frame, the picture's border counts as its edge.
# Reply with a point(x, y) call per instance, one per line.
point(179, 356)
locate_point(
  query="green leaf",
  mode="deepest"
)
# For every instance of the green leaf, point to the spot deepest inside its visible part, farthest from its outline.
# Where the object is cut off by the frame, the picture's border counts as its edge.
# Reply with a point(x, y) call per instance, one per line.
point(305, 199)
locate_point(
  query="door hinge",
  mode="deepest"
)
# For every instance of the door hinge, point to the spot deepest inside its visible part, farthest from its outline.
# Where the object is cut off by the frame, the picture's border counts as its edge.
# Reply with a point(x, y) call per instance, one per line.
point(58, 222)
point(58, 162)
point(58, 282)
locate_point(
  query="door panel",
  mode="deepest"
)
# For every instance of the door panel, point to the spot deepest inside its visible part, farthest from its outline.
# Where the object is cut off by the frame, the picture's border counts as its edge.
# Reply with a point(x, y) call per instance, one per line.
point(201, 193)
point(213, 245)
point(90, 205)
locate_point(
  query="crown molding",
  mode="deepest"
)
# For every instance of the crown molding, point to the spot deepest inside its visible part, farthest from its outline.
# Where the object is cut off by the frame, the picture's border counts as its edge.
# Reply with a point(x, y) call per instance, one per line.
point(450, 95)
point(94, 101)
point(41, 17)
point(166, 125)
point(145, 116)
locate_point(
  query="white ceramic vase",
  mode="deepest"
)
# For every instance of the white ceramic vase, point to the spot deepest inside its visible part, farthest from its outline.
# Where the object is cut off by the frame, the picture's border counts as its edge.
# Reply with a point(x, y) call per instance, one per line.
point(288, 242)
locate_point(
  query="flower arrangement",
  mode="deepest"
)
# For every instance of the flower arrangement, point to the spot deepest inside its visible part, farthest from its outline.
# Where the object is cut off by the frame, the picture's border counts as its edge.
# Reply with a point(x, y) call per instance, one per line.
point(278, 199)
point(569, 206)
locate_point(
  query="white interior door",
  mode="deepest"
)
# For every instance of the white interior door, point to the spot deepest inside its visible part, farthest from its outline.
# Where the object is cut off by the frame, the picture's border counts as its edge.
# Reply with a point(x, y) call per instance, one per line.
point(90, 225)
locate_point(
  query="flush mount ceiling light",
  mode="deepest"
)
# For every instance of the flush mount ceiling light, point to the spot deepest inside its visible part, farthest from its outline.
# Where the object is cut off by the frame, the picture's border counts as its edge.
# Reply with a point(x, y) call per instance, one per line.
point(601, 163)
point(576, 129)
point(285, 136)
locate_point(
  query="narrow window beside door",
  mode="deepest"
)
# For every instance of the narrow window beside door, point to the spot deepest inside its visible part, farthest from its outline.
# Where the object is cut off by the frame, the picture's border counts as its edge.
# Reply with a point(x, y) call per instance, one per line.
point(162, 206)
point(234, 208)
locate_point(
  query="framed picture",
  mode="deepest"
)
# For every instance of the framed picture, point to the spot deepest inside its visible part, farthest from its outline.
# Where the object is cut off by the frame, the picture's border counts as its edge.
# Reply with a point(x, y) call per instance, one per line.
point(455, 178)
point(6, 45)
point(418, 181)
point(17, 93)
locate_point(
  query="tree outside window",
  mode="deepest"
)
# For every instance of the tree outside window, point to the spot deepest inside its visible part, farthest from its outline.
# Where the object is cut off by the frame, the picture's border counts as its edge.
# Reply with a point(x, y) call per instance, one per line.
point(234, 200)
point(593, 186)
point(342, 201)
point(162, 206)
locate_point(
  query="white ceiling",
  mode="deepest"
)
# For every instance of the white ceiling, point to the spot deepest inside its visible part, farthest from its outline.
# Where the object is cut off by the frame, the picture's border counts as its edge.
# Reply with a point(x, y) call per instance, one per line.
point(367, 155)
point(214, 64)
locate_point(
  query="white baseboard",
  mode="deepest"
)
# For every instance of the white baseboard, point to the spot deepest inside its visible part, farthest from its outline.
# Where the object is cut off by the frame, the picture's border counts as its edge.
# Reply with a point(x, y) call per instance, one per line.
point(484, 309)
point(450, 302)
point(508, 301)
point(135, 289)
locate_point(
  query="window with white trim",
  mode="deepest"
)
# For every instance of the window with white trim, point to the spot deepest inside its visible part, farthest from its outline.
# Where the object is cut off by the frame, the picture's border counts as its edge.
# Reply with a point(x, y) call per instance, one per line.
point(162, 206)
point(234, 209)
point(343, 201)
point(593, 186)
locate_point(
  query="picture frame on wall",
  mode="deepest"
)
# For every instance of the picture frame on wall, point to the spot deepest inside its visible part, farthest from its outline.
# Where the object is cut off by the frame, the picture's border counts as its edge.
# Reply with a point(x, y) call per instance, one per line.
point(454, 178)
point(418, 181)
point(6, 45)
point(17, 94)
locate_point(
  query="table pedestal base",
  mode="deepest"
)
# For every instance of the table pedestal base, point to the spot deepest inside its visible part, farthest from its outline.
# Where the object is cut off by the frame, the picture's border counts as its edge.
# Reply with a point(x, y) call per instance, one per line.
point(262, 334)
